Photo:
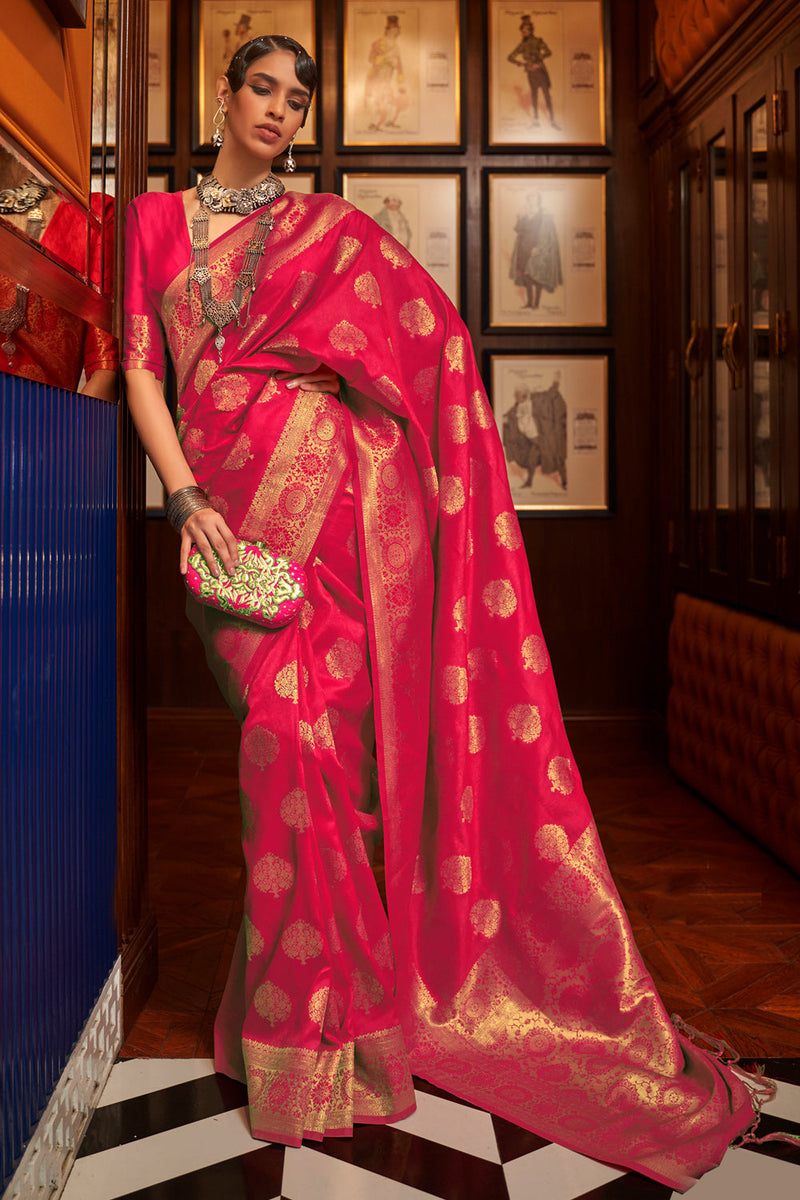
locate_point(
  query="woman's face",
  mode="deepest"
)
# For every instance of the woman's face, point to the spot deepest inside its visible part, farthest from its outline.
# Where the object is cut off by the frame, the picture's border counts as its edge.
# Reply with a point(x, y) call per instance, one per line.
point(269, 107)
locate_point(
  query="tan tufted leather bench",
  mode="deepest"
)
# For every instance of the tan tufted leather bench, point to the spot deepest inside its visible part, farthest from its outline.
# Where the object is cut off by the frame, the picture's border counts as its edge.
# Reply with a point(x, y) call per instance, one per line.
point(733, 718)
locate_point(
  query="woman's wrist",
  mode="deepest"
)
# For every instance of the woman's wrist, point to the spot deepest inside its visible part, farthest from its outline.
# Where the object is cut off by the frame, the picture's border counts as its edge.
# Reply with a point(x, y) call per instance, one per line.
point(182, 503)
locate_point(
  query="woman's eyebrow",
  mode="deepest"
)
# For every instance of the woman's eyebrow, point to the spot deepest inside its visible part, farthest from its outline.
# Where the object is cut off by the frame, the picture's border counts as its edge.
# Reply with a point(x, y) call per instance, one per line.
point(298, 91)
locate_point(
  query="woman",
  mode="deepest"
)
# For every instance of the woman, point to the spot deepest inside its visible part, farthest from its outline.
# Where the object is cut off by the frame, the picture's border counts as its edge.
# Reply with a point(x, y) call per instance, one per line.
point(505, 971)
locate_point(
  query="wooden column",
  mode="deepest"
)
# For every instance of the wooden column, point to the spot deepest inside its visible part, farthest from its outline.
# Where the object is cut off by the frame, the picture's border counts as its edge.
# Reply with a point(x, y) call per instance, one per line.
point(136, 925)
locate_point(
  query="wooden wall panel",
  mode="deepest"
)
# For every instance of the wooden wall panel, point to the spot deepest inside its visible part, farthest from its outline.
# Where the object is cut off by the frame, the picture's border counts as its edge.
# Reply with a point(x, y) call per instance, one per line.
point(46, 91)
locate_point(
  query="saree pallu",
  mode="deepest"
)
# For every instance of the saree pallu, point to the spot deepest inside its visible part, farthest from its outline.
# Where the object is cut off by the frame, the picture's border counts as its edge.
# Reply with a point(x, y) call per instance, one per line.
point(506, 972)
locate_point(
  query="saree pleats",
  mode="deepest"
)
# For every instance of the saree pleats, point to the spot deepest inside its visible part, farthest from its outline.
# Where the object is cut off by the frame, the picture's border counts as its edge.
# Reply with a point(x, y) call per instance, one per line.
point(506, 971)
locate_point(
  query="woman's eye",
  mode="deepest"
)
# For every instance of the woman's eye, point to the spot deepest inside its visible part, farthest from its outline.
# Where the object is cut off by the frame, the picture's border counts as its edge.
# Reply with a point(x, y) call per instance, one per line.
point(297, 105)
point(259, 91)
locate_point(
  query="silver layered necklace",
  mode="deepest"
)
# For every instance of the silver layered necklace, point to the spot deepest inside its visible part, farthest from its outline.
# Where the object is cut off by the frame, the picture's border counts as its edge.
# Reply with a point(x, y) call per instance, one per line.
point(244, 201)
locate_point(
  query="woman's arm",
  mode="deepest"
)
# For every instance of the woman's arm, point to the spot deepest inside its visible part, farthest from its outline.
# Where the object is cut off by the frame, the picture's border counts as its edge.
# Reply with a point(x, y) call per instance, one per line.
point(207, 528)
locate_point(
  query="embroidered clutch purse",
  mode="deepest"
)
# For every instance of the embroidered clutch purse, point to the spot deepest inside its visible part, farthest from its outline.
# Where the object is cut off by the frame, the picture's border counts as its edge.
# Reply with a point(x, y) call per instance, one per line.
point(265, 588)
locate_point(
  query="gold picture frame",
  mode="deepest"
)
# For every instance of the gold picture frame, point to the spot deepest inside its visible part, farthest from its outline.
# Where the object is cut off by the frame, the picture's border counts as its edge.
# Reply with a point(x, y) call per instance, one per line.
point(547, 83)
point(546, 250)
point(402, 73)
point(553, 417)
point(422, 210)
point(224, 25)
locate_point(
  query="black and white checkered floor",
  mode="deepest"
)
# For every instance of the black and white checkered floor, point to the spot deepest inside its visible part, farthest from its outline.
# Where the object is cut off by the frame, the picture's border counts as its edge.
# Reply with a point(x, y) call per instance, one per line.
point(170, 1129)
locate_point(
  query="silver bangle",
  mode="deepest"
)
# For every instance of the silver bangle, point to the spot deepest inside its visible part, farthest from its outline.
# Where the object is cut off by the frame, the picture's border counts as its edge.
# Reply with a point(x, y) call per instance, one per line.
point(182, 503)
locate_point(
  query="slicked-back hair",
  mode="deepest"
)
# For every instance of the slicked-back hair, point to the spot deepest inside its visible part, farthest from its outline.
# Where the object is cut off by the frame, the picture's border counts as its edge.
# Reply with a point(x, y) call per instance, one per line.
point(305, 68)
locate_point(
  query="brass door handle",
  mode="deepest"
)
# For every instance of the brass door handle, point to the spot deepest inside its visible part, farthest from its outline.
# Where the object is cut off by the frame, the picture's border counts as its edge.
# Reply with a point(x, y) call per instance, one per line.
point(693, 356)
point(733, 346)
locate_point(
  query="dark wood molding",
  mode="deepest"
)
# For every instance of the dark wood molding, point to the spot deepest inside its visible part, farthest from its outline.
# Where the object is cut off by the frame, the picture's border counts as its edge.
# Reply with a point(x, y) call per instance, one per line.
point(139, 953)
point(70, 14)
point(136, 928)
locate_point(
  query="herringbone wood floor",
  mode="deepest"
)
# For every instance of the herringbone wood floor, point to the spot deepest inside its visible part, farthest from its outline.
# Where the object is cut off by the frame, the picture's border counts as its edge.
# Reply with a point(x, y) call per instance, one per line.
point(717, 918)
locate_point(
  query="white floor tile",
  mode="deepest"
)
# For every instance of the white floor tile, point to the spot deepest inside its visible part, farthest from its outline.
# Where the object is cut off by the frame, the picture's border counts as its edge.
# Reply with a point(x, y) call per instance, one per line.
point(786, 1103)
point(309, 1175)
point(453, 1125)
point(743, 1175)
point(112, 1173)
point(555, 1173)
point(138, 1076)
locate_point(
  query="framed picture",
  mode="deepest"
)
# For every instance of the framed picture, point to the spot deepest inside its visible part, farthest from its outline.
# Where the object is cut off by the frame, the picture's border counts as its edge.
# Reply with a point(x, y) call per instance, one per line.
point(224, 26)
point(160, 180)
point(159, 75)
point(401, 73)
point(422, 210)
point(104, 74)
point(546, 248)
point(546, 74)
point(306, 182)
point(552, 414)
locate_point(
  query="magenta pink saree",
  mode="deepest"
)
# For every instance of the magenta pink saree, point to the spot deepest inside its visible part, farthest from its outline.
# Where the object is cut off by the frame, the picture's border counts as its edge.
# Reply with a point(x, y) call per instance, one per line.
point(506, 971)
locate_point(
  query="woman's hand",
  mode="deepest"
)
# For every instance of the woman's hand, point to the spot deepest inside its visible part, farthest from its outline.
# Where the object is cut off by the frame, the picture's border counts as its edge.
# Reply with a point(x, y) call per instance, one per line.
point(208, 530)
point(321, 380)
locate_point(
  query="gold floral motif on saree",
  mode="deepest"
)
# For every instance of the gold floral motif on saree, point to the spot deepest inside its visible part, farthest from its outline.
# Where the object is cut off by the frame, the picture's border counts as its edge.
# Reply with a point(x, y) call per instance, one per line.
point(499, 598)
point(524, 722)
point(367, 290)
point(142, 347)
point(417, 318)
point(534, 654)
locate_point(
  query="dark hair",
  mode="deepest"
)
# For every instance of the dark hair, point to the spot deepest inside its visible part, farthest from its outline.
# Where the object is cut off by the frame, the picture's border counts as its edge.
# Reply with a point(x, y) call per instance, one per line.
point(305, 68)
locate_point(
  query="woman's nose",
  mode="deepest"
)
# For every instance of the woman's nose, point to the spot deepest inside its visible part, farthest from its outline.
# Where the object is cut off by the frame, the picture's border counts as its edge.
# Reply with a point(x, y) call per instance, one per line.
point(276, 105)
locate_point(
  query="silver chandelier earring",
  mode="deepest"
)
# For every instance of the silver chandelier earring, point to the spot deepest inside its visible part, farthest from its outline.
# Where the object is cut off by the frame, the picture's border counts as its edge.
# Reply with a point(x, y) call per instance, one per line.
point(217, 136)
point(289, 165)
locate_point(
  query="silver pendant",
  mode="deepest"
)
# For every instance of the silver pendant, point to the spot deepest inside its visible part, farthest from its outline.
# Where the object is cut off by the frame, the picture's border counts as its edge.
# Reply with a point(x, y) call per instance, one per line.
point(219, 342)
point(8, 348)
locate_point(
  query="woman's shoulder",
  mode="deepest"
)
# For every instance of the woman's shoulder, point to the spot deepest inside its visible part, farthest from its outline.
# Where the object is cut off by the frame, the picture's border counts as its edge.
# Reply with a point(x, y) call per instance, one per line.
point(155, 205)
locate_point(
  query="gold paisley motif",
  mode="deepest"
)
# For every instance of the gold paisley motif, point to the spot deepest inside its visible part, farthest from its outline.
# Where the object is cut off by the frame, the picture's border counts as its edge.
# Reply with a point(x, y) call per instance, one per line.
point(306, 614)
point(367, 290)
point(294, 810)
point(273, 875)
point(326, 428)
point(417, 318)
point(344, 659)
point(367, 991)
point(301, 941)
point(524, 722)
point(430, 483)
point(534, 654)
point(552, 843)
point(286, 681)
point(254, 941)
point(335, 863)
point(348, 338)
point(456, 420)
point(559, 772)
point(426, 382)
point(480, 411)
point(268, 390)
point(229, 392)
point(317, 1005)
point(355, 849)
point(484, 917)
point(455, 873)
point(323, 735)
point(477, 734)
point(383, 952)
point(453, 496)
point(454, 353)
point(499, 598)
point(303, 285)
point(455, 684)
point(306, 735)
point(272, 1003)
point(467, 803)
point(394, 254)
point(346, 251)
point(418, 884)
point(507, 531)
point(390, 390)
point(460, 614)
point(261, 746)
point(240, 453)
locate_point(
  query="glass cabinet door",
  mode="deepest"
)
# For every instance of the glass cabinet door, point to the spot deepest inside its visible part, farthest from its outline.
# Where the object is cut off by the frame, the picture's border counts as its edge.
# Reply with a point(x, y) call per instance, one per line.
point(756, 290)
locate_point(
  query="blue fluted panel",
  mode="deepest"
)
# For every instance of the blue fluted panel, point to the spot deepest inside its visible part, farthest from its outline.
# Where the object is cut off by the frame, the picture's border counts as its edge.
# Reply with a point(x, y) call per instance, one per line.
point(57, 735)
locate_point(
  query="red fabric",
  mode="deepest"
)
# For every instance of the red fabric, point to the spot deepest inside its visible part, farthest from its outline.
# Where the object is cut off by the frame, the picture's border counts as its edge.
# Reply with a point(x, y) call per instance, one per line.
point(516, 979)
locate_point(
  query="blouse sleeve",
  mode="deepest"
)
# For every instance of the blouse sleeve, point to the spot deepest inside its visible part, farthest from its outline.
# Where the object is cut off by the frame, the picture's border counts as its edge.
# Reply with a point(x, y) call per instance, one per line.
point(143, 333)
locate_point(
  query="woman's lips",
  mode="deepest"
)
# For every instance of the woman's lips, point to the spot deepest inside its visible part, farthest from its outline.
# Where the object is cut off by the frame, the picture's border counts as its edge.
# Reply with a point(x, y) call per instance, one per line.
point(268, 133)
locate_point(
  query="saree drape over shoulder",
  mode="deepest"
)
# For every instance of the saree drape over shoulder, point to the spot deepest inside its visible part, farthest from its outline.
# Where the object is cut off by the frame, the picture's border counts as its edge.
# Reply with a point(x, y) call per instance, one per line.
point(505, 971)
